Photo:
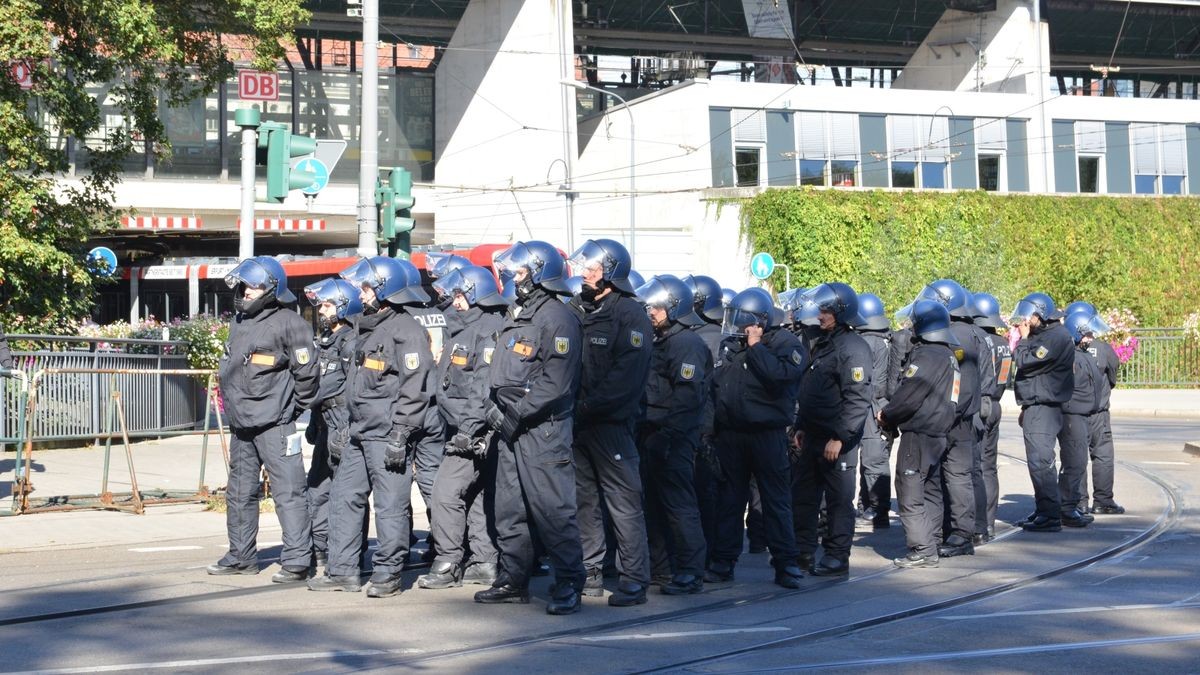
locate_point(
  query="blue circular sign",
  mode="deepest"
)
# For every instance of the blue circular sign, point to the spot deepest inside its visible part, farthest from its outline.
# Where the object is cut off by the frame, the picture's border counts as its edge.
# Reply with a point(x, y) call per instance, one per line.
point(762, 265)
point(318, 169)
point(102, 261)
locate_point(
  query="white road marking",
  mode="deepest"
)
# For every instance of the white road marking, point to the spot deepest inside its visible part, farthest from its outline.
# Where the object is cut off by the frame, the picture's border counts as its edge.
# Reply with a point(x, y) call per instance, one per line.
point(1071, 610)
point(162, 549)
point(693, 633)
point(1169, 463)
point(200, 663)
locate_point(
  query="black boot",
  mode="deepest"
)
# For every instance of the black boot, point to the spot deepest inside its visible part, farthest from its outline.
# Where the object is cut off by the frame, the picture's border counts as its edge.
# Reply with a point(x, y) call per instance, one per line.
point(349, 584)
point(719, 571)
point(628, 594)
point(384, 585)
point(441, 575)
point(593, 587)
point(683, 584)
point(481, 574)
point(503, 592)
point(564, 599)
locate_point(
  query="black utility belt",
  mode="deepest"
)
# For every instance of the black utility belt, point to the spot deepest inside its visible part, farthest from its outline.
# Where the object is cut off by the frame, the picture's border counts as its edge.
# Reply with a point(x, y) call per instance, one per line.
point(333, 402)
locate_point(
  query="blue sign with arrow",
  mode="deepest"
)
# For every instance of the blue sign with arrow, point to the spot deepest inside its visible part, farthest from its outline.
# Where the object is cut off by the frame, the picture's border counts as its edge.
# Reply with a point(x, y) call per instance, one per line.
point(102, 261)
point(318, 169)
point(762, 265)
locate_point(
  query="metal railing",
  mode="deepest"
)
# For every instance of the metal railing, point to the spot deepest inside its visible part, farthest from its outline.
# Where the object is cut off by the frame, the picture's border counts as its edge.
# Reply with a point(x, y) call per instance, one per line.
point(1164, 358)
point(72, 406)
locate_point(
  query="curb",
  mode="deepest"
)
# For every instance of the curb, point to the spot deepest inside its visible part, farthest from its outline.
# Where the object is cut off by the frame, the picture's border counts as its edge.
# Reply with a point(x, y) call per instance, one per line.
point(1192, 448)
point(1132, 412)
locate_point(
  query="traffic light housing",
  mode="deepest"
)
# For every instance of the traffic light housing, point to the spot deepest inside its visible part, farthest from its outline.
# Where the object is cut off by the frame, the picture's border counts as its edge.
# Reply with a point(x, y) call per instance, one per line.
point(280, 147)
point(395, 201)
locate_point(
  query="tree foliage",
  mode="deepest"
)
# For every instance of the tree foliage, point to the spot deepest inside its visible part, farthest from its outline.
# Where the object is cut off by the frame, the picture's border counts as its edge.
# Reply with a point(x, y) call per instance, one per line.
point(1138, 253)
point(146, 49)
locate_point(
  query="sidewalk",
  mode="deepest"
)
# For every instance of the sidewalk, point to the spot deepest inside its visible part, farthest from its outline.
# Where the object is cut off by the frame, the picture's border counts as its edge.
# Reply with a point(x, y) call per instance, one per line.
point(1159, 403)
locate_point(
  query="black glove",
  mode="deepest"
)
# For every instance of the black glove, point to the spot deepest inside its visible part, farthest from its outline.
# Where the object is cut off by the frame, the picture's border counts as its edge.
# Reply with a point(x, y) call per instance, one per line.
point(503, 423)
point(312, 433)
point(460, 445)
point(707, 453)
point(985, 407)
point(337, 442)
point(395, 457)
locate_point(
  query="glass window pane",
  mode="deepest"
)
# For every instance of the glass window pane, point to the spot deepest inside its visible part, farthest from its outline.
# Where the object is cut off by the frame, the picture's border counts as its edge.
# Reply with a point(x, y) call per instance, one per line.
point(989, 172)
point(1145, 185)
point(904, 174)
point(842, 173)
point(1172, 185)
point(812, 172)
point(933, 175)
point(1089, 174)
point(746, 166)
point(194, 132)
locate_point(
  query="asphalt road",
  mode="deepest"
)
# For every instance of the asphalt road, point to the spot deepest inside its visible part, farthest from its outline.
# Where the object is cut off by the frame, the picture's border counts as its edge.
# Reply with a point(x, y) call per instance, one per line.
point(1120, 596)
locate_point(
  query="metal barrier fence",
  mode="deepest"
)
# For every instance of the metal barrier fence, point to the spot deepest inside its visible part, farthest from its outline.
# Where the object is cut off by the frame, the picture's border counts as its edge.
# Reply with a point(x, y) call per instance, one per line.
point(1164, 358)
point(71, 407)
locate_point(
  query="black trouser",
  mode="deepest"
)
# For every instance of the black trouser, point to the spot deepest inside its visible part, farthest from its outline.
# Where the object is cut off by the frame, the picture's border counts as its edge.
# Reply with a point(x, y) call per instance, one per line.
point(535, 490)
point(762, 454)
point(320, 477)
point(756, 533)
point(991, 476)
point(956, 491)
point(1040, 425)
point(1072, 476)
point(978, 477)
point(875, 486)
point(249, 451)
point(360, 474)
point(707, 500)
point(672, 517)
point(814, 478)
point(607, 468)
point(462, 509)
point(1100, 443)
point(918, 490)
point(428, 457)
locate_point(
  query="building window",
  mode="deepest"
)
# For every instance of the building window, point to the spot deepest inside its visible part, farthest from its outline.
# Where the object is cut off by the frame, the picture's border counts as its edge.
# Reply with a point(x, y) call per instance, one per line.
point(747, 167)
point(904, 174)
point(933, 175)
point(812, 172)
point(842, 173)
point(1159, 158)
point(828, 148)
point(1172, 185)
point(1145, 185)
point(1089, 174)
point(989, 172)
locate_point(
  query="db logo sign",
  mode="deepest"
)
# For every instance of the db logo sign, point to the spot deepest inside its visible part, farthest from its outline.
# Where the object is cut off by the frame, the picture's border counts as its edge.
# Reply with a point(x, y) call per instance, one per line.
point(256, 86)
point(22, 74)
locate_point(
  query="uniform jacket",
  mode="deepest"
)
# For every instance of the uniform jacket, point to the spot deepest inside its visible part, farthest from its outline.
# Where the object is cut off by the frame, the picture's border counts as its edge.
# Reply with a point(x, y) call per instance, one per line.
point(1108, 363)
point(1002, 361)
point(463, 370)
point(387, 387)
point(5, 355)
point(536, 367)
point(835, 394)
point(1045, 366)
point(973, 349)
point(1085, 397)
point(677, 388)
point(335, 360)
point(712, 336)
point(898, 351)
point(924, 400)
point(617, 348)
point(754, 388)
point(269, 371)
point(880, 342)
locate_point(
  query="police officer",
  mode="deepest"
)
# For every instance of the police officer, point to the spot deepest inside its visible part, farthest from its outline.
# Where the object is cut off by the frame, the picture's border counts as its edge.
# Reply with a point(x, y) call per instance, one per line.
point(675, 397)
point(6, 360)
point(923, 407)
point(533, 382)
point(462, 491)
point(616, 364)
point(959, 460)
point(387, 402)
point(1073, 439)
point(754, 390)
point(875, 482)
point(1045, 360)
point(1100, 444)
point(328, 431)
point(268, 378)
point(987, 317)
point(834, 402)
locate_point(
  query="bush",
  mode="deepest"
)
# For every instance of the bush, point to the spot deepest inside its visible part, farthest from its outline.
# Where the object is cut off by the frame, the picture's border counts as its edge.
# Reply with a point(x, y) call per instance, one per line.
point(206, 336)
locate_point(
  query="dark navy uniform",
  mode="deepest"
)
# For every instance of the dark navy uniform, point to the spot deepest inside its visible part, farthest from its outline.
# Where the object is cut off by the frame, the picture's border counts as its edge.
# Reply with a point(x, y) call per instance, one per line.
point(269, 376)
point(388, 402)
point(462, 491)
point(754, 393)
point(1100, 441)
point(706, 473)
point(428, 450)
point(616, 364)
point(6, 360)
point(329, 428)
point(923, 407)
point(990, 412)
point(875, 487)
point(834, 402)
point(957, 489)
point(1073, 439)
point(1044, 381)
point(676, 393)
point(534, 378)
point(987, 393)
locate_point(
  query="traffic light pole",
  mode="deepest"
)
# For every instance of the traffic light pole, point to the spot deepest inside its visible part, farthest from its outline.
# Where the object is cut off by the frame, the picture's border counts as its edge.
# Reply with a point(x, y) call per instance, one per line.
point(248, 119)
point(368, 168)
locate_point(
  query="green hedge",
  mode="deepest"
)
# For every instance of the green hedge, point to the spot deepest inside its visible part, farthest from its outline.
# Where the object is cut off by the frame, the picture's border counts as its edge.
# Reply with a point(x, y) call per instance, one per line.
point(1138, 253)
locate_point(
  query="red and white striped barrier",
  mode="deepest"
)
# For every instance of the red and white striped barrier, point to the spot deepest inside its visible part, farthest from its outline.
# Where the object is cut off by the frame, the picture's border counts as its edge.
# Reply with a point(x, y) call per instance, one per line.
point(288, 224)
point(161, 222)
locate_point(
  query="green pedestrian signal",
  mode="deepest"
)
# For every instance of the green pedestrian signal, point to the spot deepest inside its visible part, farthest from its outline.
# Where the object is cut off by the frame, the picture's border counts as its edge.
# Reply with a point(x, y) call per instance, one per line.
point(280, 147)
point(395, 201)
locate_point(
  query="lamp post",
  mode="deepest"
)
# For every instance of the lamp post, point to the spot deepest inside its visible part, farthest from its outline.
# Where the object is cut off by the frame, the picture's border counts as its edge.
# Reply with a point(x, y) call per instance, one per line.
point(632, 171)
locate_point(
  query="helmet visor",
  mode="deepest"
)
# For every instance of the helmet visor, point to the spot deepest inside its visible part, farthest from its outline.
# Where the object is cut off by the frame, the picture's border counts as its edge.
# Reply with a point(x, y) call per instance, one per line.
point(655, 293)
point(441, 263)
point(591, 256)
point(1096, 326)
point(811, 303)
point(454, 283)
point(738, 320)
point(903, 316)
point(361, 273)
point(513, 258)
point(1024, 311)
point(251, 273)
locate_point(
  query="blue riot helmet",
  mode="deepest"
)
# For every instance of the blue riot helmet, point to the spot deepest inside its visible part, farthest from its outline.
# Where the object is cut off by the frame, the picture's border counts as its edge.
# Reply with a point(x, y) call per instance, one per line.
point(903, 316)
point(931, 322)
point(836, 298)
point(727, 295)
point(612, 259)
point(381, 274)
point(412, 292)
point(636, 280)
point(545, 264)
point(669, 293)
point(340, 293)
point(1035, 304)
point(751, 307)
point(706, 295)
point(1080, 306)
point(871, 313)
point(575, 285)
point(475, 284)
point(790, 301)
point(508, 290)
point(440, 263)
point(987, 311)
point(951, 295)
point(262, 272)
point(1081, 324)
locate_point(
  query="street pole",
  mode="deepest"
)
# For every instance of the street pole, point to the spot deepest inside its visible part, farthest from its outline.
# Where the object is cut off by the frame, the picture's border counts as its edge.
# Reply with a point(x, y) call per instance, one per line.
point(368, 167)
point(248, 119)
